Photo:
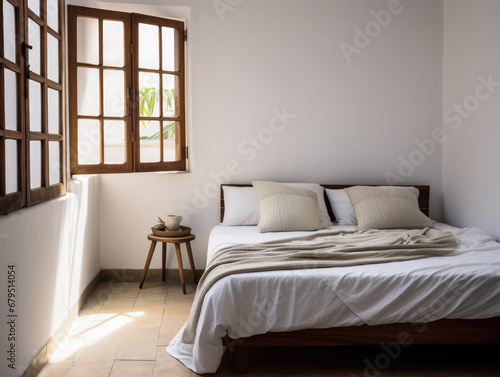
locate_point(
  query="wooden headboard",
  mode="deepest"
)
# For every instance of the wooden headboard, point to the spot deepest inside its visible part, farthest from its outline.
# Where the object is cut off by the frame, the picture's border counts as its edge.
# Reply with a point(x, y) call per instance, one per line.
point(423, 198)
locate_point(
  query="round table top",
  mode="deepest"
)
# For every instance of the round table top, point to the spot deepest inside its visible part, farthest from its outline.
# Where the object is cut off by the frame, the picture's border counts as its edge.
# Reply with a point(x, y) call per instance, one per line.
point(182, 239)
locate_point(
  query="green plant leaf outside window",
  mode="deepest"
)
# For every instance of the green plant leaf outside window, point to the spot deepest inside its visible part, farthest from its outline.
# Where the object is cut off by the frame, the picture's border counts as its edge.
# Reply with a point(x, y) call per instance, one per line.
point(148, 99)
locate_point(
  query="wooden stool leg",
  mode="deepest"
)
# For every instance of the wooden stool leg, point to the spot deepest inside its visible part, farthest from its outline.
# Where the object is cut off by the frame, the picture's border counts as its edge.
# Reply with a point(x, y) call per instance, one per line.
point(163, 260)
point(148, 262)
point(181, 268)
point(191, 261)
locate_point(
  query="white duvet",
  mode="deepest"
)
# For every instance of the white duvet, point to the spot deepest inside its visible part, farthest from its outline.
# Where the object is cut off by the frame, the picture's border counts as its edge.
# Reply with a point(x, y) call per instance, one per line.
point(463, 284)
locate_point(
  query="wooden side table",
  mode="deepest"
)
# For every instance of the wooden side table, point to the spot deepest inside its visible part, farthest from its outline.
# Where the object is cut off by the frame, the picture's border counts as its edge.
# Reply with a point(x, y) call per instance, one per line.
point(177, 241)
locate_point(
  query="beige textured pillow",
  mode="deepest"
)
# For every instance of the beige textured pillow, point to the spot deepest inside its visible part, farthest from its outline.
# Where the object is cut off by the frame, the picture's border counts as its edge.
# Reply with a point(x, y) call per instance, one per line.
point(383, 208)
point(285, 208)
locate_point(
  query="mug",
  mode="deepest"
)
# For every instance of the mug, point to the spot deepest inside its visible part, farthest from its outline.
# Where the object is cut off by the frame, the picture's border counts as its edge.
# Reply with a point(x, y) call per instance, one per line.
point(173, 222)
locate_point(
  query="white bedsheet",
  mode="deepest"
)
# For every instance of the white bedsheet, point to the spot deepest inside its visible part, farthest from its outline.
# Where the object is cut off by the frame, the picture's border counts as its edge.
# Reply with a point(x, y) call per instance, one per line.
point(464, 284)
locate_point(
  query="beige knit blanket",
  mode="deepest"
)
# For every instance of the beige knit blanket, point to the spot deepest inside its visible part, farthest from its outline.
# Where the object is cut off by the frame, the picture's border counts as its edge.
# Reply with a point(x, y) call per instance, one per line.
point(319, 250)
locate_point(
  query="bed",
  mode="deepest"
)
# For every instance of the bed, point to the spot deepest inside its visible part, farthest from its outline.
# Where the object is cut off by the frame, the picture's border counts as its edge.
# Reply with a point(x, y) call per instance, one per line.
point(423, 301)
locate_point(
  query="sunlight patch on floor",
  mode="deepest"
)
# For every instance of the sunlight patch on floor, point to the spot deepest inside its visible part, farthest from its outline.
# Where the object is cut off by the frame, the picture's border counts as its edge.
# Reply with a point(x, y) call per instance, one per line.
point(90, 329)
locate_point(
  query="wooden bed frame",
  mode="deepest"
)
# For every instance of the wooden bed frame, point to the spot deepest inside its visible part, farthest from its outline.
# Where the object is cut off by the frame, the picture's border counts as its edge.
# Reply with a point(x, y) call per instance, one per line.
point(445, 331)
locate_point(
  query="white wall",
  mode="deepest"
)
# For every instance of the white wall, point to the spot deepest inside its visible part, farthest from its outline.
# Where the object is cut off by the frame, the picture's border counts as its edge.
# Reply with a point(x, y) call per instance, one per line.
point(471, 178)
point(55, 249)
point(352, 121)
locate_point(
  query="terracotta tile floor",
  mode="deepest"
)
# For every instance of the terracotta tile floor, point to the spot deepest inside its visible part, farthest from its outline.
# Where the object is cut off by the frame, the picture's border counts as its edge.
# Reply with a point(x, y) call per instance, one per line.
point(122, 331)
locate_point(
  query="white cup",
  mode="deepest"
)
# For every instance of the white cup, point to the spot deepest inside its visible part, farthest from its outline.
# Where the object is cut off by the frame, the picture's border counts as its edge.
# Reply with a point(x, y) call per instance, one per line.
point(173, 222)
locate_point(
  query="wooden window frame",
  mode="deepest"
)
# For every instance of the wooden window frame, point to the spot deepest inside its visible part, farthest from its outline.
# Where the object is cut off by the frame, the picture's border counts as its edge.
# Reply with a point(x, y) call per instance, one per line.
point(25, 196)
point(131, 117)
point(46, 191)
point(100, 15)
point(11, 202)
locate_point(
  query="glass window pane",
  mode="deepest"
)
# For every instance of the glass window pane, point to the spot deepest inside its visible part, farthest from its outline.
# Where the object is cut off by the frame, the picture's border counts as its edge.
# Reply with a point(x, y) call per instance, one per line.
point(169, 48)
point(87, 44)
point(53, 111)
point(34, 41)
point(9, 30)
point(11, 166)
point(52, 58)
point(88, 91)
point(11, 94)
point(150, 141)
point(35, 164)
point(169, 141)
point(54, 162)
point(35, 106)
point(34, 5)
point(53, 14)
point(149, 86)
point(114, 93)
point(89, 142)
point(170, 96)
point(149, 56)
point(114, 142)
point(113, 51)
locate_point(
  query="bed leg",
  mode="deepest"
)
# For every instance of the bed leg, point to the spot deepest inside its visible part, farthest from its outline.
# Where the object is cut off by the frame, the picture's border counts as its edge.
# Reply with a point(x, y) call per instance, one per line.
point(240, 358)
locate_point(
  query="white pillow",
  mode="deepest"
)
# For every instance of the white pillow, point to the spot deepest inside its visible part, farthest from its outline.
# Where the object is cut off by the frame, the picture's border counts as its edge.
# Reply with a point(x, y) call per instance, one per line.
point(342, 207)
point(241, 207)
